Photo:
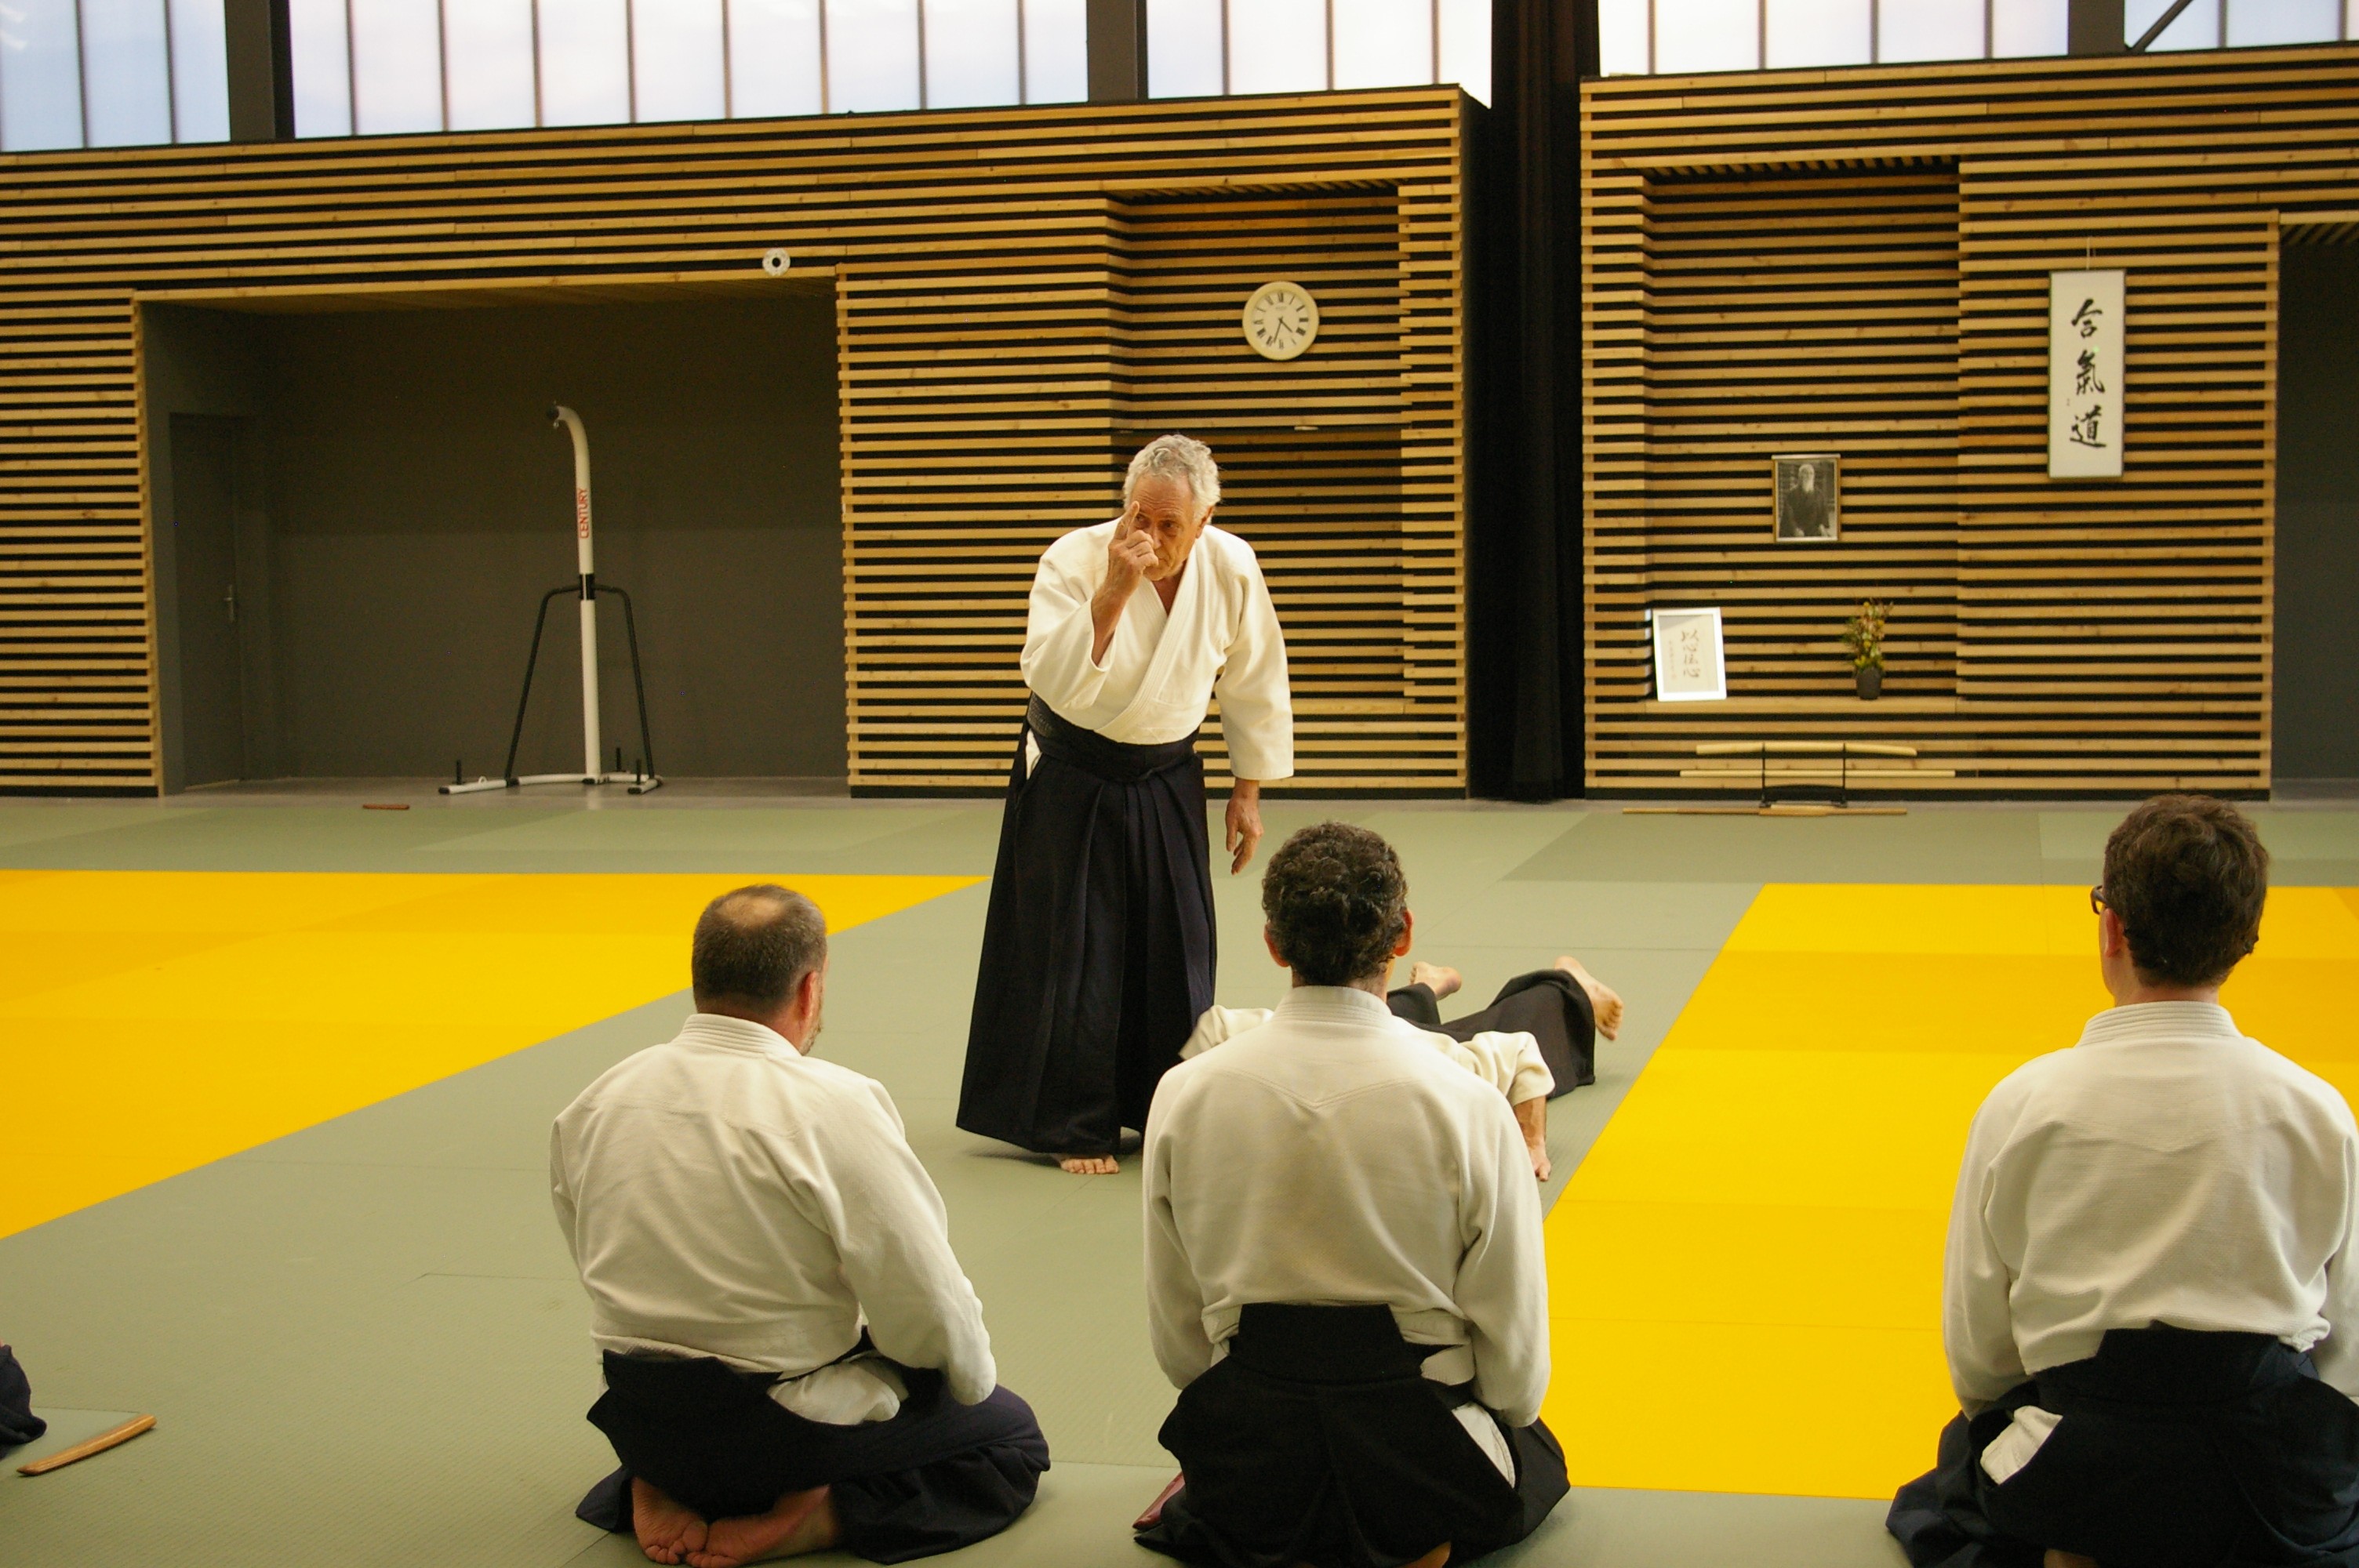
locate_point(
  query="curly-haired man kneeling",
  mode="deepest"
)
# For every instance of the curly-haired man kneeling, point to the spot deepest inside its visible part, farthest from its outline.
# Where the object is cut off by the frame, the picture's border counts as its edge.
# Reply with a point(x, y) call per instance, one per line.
point(1343, 1262)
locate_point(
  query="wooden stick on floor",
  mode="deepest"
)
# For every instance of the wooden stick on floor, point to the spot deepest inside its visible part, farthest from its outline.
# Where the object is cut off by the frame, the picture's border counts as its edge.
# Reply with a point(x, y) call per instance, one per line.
point(99, 1444)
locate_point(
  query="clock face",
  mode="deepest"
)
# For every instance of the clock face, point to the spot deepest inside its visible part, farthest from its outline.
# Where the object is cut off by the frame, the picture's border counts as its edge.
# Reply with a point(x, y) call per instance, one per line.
point(1281, 320)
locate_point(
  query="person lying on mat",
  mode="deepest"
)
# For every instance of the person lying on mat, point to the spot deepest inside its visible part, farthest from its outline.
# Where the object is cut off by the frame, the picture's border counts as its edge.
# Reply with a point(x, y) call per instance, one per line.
point(793, 1357)
point(1345, 1275)
point(1536, 1041)
point(2151, 1298)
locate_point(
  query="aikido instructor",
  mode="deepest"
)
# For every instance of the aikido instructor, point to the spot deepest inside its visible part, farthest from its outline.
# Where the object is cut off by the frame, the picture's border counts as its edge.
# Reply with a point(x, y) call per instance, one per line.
point(1098, 950)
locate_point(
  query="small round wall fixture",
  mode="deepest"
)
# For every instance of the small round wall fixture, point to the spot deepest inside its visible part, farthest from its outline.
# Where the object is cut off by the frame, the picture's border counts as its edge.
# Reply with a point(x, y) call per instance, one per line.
point(776, 261)
point(1281, 320)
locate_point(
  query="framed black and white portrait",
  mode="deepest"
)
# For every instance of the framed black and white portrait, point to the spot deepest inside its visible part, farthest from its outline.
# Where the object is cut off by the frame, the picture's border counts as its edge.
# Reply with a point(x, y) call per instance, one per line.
point(1808, 504)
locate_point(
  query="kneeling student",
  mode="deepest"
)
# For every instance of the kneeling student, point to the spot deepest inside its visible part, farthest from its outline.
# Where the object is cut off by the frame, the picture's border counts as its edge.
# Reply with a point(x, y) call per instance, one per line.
point(2151, 1302)
point(794, 1360)
point(1343, 1263)
point(1536, 1041)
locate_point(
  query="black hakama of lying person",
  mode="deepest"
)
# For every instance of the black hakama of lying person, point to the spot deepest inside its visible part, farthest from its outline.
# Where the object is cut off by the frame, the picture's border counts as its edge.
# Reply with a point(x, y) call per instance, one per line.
point(2174, 1449)
point(937, 1476)
point(1318, 1440)
point(1100, 930)
point(1550, 1005)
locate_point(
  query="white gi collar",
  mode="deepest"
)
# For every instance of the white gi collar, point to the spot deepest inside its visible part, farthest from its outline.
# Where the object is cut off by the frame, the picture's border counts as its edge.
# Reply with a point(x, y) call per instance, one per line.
point(1334, 1004)
point(2146, 1023)
point(735, 1034)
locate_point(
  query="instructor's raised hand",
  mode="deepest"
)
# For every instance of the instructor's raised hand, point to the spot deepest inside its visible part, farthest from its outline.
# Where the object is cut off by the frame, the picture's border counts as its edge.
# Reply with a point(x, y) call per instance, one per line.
point(1130, 556)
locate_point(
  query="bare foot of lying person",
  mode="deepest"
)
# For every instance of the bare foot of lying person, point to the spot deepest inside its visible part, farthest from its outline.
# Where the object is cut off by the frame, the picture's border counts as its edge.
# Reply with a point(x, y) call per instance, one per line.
point(2068, 1560)
point(798, 1522)
point(1531, 1114)
point(1440, 980)
point(1089, 1165)
point(666, 1531)
point(1601, 998)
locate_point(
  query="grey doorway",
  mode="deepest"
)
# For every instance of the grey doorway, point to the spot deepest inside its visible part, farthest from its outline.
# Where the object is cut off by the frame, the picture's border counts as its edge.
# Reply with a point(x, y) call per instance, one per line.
point(218, 606)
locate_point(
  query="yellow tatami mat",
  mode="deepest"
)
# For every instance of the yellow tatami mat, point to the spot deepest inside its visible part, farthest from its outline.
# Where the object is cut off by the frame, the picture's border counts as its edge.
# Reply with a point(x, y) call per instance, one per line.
point(1746, 1271)
point(152, 1022)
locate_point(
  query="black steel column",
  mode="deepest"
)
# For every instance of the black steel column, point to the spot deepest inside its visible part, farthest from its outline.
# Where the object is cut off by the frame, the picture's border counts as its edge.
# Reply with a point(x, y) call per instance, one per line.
point(1525, 567)
point(2094, 26)
point(1117, 51)
point(261, 70)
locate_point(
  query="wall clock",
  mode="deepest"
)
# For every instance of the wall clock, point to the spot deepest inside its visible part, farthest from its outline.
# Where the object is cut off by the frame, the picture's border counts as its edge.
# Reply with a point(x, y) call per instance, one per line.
point(1281, 320)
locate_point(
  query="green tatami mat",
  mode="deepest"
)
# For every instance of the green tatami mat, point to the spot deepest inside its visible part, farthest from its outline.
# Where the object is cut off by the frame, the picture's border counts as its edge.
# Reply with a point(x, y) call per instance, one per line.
point(364, 1343)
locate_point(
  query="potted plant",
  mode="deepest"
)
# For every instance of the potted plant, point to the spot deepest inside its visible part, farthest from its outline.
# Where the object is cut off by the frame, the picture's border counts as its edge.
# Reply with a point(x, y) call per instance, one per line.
point(1864, 635)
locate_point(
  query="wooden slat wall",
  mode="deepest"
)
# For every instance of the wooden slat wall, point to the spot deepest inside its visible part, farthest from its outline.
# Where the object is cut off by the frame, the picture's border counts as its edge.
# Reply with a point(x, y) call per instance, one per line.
point(2107, 637)
point(1023, 295)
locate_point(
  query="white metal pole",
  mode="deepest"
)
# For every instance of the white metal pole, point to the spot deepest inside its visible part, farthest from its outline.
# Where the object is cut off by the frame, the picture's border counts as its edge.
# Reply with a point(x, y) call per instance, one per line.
point(560, 415)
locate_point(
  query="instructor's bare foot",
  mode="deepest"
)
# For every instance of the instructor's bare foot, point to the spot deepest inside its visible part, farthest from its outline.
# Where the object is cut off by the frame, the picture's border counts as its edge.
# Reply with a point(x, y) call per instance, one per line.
point(1089, 1165)
point(1436, 978)
point(1602, 1001)
point(798, 1522)
point(666, 1531)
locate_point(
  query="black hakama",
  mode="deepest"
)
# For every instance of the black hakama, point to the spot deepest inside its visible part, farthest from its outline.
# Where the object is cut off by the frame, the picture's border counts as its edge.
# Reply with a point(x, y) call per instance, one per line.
point(2177, 1449)
point(1097, 950)
point(18, 1422)
point(1317, 1439)
point(1547, 1004)
point(937, 1476)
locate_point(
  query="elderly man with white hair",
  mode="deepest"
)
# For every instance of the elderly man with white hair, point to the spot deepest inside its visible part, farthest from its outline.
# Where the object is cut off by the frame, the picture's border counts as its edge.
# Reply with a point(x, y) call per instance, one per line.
point(1097, 952)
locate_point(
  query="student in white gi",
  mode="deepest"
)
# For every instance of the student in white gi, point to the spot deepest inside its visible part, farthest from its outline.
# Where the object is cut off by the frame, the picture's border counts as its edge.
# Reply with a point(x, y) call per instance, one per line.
point(2151, 1295)
point(1536, 1041)
point(1344, 1271)
point(1098, 950)
point(793, 1357)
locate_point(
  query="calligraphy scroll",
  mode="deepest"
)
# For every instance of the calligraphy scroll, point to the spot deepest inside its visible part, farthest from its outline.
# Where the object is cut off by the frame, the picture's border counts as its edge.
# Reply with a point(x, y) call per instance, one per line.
point(1690, 662)
point(2084, 374)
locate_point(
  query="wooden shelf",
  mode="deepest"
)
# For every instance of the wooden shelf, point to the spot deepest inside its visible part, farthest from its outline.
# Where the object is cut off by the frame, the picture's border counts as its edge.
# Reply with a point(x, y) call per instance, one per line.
point(1789, 706)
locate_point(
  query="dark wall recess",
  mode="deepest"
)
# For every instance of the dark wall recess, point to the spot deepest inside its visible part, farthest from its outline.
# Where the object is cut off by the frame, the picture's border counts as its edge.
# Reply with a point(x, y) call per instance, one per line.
point(2316, 724)
point(409, 504)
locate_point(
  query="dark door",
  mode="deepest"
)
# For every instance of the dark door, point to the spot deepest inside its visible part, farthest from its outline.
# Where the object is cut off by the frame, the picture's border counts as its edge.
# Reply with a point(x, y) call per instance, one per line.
point(2316, 718)
point(204, 533)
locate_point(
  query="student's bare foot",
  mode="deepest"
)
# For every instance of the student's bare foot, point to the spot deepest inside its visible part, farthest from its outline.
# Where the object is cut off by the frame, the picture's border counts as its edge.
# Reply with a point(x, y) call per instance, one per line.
point(1089, 1165)
point(666, 1531)
point(2068, 1560)
point(1439, 979)
point(1602, 1001)
point(799, 1522)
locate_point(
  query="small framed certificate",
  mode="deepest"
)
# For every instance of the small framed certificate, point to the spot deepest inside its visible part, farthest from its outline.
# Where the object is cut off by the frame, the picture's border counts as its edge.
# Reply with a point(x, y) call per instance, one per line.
point(1691, 664)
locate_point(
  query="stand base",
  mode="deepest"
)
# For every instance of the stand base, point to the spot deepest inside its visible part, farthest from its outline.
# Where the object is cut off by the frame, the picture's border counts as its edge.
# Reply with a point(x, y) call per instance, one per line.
point(640, 783)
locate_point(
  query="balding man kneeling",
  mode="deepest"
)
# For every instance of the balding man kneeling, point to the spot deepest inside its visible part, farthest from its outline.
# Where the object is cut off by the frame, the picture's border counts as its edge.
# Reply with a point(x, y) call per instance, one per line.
point(738, 1211)
point(1345, 1272)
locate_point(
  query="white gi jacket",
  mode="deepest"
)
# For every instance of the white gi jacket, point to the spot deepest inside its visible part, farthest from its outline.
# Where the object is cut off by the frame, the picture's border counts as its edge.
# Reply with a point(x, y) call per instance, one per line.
point(1162, 671)
point(1509, 1061)
point(727, 1196)
point(1334, 1157)
point(2166, 1170)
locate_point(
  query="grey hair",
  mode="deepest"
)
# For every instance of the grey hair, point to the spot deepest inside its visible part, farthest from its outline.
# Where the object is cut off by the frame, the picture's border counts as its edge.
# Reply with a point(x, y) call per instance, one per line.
point(1177, 456)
